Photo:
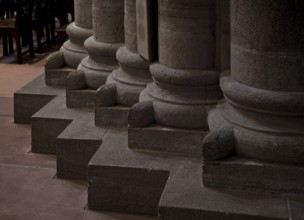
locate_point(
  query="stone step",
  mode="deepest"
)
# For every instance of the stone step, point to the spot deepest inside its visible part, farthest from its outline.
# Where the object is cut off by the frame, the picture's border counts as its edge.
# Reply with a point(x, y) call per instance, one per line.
point(76, 145)
point(170, 185)
point(69, 133)
point(32, 97)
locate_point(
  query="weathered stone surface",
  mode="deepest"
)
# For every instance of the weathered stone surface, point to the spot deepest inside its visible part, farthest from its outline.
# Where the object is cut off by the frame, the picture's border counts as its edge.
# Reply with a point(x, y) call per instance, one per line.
point(121, 181)
point(164, 139)
point(76, 145)
point(264, 93)
point(106, 96)
point(184, 197)
point(80, 98)
point(141, 115)
point(75, 80)
point(185, 79)
point(31, 98)
point(133, 74)
point(78, 31)
point(222, 60)
point(57, 77)
point(218, 145)
point(131, 78)
point(108, 36)
point(124, 180)
point(248, 174)
point(112, 116)
point(61, 63)
point(54, 61)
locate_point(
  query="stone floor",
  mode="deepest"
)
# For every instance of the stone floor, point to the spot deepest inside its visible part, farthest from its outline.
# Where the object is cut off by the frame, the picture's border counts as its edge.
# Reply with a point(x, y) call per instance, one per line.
point(28, 183)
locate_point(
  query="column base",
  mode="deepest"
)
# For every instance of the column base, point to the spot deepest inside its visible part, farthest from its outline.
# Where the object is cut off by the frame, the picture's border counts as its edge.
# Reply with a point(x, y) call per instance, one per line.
point(32, 97)
point(248, 174)
point(68, 133)
point(56, 70)
point(100, 63)
point(73, 49)
point(80, 98)
point(165, 139)
point(170, 185)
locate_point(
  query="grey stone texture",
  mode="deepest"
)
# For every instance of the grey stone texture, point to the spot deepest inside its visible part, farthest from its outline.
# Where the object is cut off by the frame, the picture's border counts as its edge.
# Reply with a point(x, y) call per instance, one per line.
point(141, 115)
point(121, 179)
point(112, 116)
point(108, 36)
point(77, 94)
point(248, 174)
point(185, 79)
point(133, 75)
point(164, 139)
point(222, 60)
point(263, 101)
point(78, 31)
point(71, 134)
point(264, 93)
point(129, 79)
point(76, 145)
point(61, 63)
point(154, 166)
point(32, 97)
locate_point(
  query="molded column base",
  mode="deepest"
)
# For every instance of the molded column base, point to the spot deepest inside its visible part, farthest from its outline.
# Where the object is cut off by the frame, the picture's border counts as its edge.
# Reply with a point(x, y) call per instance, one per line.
point(170, 185)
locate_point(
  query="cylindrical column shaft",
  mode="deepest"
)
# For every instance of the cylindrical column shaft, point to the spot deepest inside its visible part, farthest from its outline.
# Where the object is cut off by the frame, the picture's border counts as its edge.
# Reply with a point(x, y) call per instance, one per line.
point(78, 32)
point(185, 79)
point(133, 75)
point(265, 92)
point(108, 36)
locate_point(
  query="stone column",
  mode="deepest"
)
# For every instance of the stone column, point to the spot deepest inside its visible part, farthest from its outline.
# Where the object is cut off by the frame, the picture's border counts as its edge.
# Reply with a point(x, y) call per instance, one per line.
point(108, 36)
point(186, 80)
point(123, 87)
point(93, 71)
point(133, 75)
point(263, 115)
point(59, 64)
point(78, 32)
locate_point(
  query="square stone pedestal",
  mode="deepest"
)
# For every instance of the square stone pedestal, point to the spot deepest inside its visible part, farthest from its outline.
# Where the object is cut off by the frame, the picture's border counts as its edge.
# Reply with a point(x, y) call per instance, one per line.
point(114, 116)
point(170, 186)
point(249, 174)
point(165, 139)
point(80, 98)
point(69, 133)
point(32, 97)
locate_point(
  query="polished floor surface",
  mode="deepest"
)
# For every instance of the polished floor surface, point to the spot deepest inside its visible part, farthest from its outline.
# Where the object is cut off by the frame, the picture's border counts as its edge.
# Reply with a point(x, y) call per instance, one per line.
point(29, 189)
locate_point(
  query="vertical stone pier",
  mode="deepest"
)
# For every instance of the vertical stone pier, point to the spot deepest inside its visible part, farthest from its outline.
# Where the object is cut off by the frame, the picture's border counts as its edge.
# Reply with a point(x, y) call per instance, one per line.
point(61, 63)
point(126, 82)
point(259, 129)
point(186, 79)
point(93, 71)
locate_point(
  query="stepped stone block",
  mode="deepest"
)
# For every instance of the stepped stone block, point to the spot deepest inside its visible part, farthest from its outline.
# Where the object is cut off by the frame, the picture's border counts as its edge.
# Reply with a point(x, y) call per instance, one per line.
point(32, 97)
point(170, 186)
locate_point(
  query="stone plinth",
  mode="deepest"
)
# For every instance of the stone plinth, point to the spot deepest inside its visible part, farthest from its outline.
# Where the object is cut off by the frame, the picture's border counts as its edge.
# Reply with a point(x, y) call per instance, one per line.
point(61, 63)
point(170, 186)
point(108, 36)
point(185, 80)
point(32, 97)
point(264, 108)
